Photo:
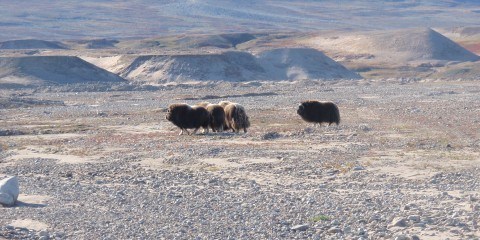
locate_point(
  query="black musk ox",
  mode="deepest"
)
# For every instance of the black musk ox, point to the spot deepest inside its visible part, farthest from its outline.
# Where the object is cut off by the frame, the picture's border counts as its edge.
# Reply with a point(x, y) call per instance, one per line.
point(235, 116)
point(319, 112)
point(185, 116)
point(217, 115)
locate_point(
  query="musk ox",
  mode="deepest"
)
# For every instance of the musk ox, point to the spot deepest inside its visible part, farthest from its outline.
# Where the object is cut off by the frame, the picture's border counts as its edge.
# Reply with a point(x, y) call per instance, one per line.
point(185, 116)
point(319, 112)
point(235, 116)
point(217, 115)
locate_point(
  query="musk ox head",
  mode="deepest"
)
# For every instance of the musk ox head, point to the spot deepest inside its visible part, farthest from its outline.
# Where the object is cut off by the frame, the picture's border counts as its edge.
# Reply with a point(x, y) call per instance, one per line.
point(236, 117)
point(185, 117)
point(319, 112)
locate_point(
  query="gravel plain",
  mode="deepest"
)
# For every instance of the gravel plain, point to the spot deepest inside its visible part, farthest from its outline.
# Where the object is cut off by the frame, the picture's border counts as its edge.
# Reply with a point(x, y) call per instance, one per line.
point(404, 163)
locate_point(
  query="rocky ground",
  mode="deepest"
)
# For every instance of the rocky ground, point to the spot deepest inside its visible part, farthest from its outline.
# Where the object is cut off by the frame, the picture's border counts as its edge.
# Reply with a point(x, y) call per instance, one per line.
point(403, 164)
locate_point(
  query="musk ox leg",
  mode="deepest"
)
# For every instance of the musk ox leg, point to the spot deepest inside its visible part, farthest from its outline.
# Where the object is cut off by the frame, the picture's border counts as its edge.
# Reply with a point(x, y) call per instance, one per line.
point(181, 132)
point(244, 130)
point(195, 131)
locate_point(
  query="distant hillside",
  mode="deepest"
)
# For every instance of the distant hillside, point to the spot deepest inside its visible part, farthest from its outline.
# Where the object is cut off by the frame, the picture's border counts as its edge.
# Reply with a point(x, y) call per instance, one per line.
point(31, 44)
point(278, 64)
point(467, 37)
point(51, 70)
point(394, 46)
point(224, 41)
point(146, 18)
point(94, 43)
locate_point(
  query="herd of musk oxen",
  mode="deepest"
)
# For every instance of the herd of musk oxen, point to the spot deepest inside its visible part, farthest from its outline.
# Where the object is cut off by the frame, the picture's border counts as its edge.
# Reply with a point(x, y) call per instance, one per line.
point(229, 115)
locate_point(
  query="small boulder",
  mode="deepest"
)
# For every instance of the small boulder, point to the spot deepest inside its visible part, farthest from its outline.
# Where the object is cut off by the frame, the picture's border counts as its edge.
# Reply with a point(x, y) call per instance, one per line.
point(301, 227)
point(399, 222)
point(9, 191)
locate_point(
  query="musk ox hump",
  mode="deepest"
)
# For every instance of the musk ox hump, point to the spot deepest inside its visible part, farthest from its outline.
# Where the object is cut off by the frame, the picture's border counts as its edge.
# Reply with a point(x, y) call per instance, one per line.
point(224, 103)
point(203, 104)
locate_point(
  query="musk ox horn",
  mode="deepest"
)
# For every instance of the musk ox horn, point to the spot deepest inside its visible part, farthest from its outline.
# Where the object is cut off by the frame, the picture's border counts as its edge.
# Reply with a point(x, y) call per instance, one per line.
point(186, 117)
point(236, 117)
point(319, 112)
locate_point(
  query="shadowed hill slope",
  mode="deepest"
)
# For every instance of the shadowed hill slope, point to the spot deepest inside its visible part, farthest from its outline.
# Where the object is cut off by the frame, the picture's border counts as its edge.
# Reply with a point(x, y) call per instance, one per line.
point(31, 44)
point(51, 70)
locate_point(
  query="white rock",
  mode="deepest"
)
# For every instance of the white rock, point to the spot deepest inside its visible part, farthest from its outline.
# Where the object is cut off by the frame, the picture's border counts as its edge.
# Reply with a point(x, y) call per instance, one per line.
point(9, 191)
point(399, 222)
point(301, 227)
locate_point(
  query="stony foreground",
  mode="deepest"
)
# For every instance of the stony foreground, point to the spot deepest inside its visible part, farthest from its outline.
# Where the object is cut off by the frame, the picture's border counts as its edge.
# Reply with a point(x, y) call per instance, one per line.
point(403, 164)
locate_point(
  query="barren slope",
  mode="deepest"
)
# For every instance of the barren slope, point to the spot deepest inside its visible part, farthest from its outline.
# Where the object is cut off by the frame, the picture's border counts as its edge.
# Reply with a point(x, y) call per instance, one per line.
point(31, 44)
point(48, 70)
point(394, 47)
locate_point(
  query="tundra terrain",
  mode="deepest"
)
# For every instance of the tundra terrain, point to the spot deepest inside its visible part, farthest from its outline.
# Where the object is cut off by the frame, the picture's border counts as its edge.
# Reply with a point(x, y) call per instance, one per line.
point(403, 163)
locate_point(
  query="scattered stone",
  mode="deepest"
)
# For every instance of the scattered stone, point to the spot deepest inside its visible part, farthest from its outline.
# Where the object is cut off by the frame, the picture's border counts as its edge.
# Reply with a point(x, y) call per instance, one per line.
point(43, 233)
point(358, 168)
point(402, 237)
point(334, 230)
point(414, 218)
point(399, 222)
point(270, 135)
point(301, 227)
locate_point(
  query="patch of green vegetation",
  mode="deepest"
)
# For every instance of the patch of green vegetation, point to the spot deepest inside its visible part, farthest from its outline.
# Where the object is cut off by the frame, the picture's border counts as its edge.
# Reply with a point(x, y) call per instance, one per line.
point(320, 218)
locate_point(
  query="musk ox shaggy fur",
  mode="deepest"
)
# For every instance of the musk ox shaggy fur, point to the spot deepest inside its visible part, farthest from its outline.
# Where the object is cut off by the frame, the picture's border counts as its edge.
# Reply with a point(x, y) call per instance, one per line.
point(319, 112)
point(217, 115)
point(224, 103)
point(235, 116)
point(186, 117)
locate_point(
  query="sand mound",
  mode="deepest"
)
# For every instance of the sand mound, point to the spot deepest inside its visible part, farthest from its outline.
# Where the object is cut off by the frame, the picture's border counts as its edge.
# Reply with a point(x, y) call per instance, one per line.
point(395, 46)
point(31, 44)
point(50, 70)
point(302, 63)
point(279, 64)
point(228, 66)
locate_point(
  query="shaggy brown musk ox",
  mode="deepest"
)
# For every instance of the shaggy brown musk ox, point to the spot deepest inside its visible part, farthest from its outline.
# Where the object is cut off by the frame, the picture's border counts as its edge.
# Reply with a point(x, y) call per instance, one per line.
point(235, 117)
point(217, 115)
point(185, 116)
point(319, 112)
